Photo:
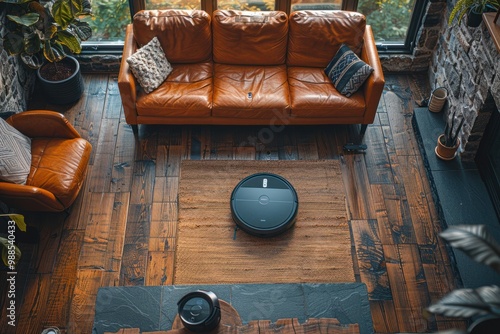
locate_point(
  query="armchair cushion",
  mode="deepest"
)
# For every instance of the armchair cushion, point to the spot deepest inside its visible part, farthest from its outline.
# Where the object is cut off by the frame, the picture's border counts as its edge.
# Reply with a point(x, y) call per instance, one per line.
point(15, 154)
point(58, 166)
point(150, 65)
point(58, 163)
point(347, 72)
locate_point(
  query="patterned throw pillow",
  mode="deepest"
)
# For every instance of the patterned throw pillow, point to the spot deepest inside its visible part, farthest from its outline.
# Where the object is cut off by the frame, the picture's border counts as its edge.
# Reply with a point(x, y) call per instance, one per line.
point(347, 72)
point(15, 154)
point(150, 65)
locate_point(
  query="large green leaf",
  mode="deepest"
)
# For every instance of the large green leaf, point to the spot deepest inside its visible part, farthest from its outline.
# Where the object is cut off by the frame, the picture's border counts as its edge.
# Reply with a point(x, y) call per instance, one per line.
point(19, 219)
point(86, 7)
point(65, 11)
point(491, 295)
point(33, 61)
point(80, 29)
point(476, 242)
point(461, 303)
point(13, 42)
point(53, 51)
point(32, 43)
point(5, 249)
point(27, 20)
point(70, 41)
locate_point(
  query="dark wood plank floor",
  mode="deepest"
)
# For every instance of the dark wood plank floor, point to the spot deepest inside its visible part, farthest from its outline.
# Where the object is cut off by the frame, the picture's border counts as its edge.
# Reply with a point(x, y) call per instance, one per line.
point(122, 228)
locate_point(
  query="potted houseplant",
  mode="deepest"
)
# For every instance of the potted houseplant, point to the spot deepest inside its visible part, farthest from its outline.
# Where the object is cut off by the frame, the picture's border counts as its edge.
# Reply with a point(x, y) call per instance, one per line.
point(474, 10)
point(483, 303)
point(448, 142)
point(44, 34)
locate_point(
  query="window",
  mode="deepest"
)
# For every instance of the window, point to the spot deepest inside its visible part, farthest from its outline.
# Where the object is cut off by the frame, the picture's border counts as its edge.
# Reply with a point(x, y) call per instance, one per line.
point(256, 5)
point(315, 5)
point(173, 4)
point(109, 20)
point(394, 22)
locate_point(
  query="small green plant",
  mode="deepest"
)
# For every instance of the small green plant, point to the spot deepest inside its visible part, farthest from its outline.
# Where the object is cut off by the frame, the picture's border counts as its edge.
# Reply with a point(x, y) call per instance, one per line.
point(450, 133)
point(477, 243)
point(45, 29)
point(10, 252)
point(464, 6)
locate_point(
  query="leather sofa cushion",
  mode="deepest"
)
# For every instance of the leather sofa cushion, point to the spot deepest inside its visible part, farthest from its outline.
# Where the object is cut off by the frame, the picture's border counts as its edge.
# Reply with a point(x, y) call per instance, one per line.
point(313, 95)
point(187, 92)
point(58, 166)
point(185, 35)
point(316, 36)
point(250, 38)
point(267, 84)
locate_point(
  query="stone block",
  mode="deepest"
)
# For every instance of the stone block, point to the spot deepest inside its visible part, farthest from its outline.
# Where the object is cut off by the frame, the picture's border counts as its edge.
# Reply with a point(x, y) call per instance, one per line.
point(396, 63)
point(453, 78)
point(421, 63)
point(495, 89)
point(432, 38)
point(463, 40)
point(432, 20)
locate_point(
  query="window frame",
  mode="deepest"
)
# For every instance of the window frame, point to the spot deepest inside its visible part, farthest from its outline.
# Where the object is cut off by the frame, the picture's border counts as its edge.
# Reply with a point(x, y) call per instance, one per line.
point(411, 35)
point(209, 6)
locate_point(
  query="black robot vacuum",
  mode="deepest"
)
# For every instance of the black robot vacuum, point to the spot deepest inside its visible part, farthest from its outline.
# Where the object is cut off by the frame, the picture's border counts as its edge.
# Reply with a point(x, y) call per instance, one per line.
point(264, 204)
point(199, 311)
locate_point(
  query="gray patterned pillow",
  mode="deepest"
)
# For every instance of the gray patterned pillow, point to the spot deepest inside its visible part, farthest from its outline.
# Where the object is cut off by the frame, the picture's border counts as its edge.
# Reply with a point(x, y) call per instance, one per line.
point(347, 72)
point(150, 65)
point(15, 154)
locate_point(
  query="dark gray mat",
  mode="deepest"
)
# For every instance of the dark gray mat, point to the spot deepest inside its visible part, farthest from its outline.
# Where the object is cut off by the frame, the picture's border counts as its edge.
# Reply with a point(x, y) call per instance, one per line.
point(154, 308)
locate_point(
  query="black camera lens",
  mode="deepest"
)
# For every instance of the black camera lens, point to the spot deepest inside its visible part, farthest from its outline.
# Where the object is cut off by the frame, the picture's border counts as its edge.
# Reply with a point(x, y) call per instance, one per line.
point(199, 311)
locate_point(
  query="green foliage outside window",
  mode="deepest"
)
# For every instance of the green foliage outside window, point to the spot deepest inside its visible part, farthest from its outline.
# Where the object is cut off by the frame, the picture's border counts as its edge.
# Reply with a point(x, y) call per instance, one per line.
point(109, 20)
point(221, 4)
point(173, 4)
point(389, 18)
point(112, 16)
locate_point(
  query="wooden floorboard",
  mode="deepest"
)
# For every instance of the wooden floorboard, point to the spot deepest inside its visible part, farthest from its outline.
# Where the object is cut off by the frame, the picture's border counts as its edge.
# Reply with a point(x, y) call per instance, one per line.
point(122, 229)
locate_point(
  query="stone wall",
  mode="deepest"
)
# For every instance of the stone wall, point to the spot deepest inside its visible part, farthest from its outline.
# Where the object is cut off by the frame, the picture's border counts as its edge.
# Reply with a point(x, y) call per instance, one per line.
point(16, 82)
point(467, 63)
point(99, 63)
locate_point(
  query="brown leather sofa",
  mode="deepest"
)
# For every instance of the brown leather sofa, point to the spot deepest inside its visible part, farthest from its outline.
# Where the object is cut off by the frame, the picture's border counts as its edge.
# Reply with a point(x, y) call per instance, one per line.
point(59, 159)
point(250, 68)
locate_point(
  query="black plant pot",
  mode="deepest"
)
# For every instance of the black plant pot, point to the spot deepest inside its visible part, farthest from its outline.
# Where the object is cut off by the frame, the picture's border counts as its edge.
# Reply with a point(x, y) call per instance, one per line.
point(474, 18)
point(485, 325)
point(64, 91)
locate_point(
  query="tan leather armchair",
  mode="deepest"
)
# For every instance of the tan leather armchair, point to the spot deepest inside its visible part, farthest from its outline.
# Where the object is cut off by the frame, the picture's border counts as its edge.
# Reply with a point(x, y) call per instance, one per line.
point(59, 163)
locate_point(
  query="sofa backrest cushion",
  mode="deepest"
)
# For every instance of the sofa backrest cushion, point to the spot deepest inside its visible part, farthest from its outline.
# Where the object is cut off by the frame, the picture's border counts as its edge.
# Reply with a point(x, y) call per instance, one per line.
point(184, 35)
point(316, 36)
point(249, 38)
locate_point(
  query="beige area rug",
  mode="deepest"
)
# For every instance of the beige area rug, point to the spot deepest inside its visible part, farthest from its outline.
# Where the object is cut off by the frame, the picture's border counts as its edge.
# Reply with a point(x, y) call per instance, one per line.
point(316, 249)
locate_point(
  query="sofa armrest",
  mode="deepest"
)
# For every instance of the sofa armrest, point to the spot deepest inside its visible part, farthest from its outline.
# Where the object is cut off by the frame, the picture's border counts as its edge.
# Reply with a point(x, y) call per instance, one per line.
point(43, 123)
point(29, 198)
point(374, 85)
point(126, 82)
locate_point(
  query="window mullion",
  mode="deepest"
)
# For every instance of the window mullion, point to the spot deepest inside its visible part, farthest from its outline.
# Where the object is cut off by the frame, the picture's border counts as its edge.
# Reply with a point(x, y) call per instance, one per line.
point(350, 5)
point(209, 5)
point(283, 5)
point(136, 5)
